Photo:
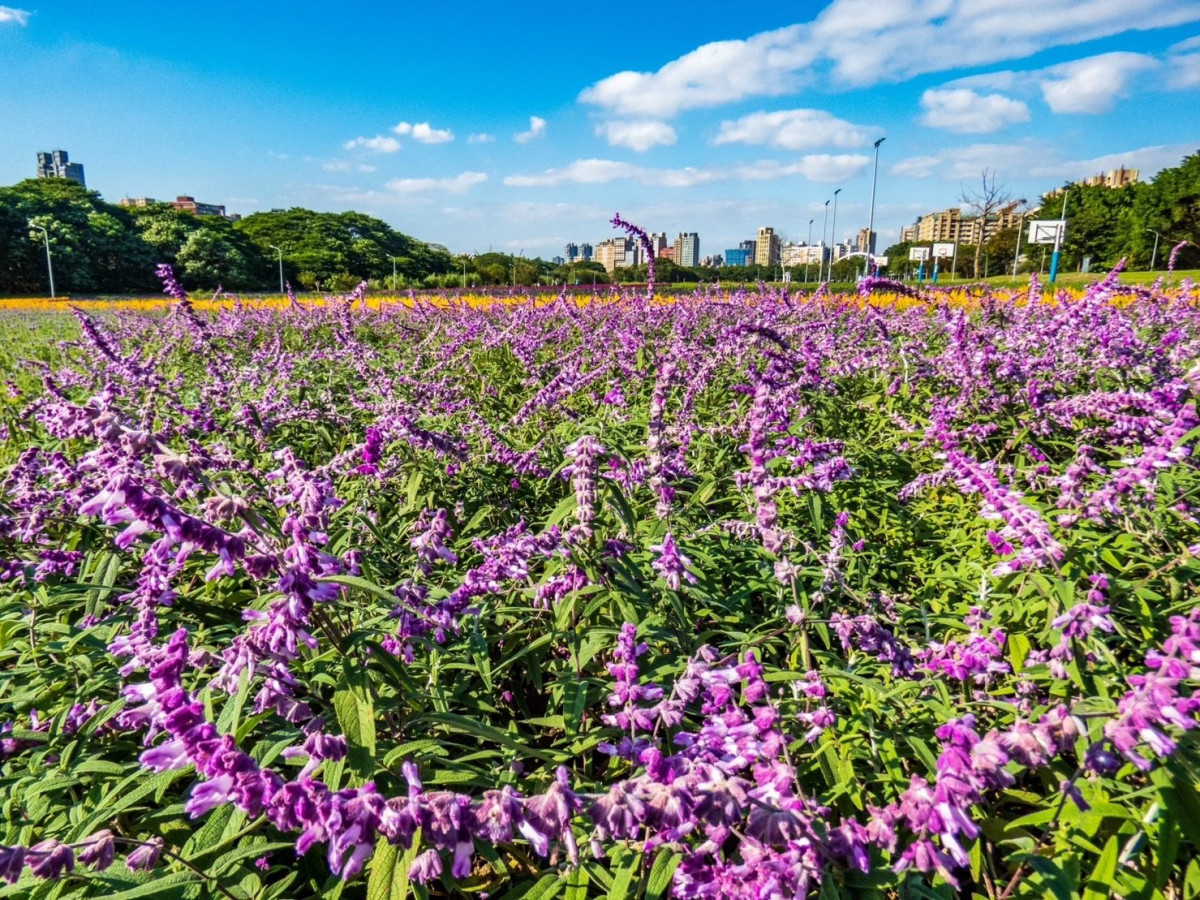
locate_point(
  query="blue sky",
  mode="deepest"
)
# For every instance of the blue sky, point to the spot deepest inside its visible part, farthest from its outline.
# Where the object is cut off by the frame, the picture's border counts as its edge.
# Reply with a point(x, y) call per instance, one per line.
point(520, 127)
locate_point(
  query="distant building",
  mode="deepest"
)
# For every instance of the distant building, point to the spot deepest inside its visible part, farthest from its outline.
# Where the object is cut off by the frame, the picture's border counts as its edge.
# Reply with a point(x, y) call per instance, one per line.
point(908, 234)
point(750, 248)
point(713, 262)
point(137, 202)
point(1113, 178)
point(667, 253)
point(658, 241)
point(687, 249)
point(767, 247)
point(189, 204)
point(804, 255)
point(558, 261)
point(57, 164)
point(585, 251)
point(617, 253)
point(865, 240)
point(571, 252)
point(738, 257)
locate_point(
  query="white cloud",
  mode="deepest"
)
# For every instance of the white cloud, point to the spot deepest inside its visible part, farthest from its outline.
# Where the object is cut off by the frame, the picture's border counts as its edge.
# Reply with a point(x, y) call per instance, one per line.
point(1033, 159)
point(831, 169)
point(869, 41)
point(1192, 43)
point(537, 129)
point(965, 112)
point(1094, 84)
point(424, 133)
point(794, 129)
point(379, 144)
point(341, 165)
point(17, 16)
point(481, 138)
point(459, 184)
point(638, 135)
point(1183, 71)
point(823, 168)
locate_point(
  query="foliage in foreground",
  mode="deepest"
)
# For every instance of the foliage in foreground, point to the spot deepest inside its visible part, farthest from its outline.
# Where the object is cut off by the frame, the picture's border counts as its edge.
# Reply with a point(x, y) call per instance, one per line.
point(750, 595)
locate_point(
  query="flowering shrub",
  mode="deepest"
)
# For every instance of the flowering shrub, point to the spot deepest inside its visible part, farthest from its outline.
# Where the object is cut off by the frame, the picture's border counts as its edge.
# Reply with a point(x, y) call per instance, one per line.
point(749, 594)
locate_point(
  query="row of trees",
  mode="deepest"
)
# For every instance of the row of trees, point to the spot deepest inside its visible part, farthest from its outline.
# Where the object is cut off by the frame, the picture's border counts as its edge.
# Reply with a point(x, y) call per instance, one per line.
point(1139, 223)
point(101, 248)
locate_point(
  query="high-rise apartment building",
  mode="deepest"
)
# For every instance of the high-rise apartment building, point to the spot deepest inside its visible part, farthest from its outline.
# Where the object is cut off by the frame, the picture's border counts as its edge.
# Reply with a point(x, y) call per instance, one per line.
point(767, 248)
point(658, 241)
point(687, 249)
point(571, 252)
point(57, 164)
point(804, 255)
point(864, 241)
point(738, 257)
point(617, 253)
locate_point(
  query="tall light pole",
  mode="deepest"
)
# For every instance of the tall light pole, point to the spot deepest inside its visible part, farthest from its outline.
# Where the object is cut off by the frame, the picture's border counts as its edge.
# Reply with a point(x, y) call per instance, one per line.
point(49, 262)
point(808, 253)
point(1153, 254)
point(833, 233)
point(280, 252)
point(1020, 227)
point(393, 259)
point(824, 225)
point(871, 218)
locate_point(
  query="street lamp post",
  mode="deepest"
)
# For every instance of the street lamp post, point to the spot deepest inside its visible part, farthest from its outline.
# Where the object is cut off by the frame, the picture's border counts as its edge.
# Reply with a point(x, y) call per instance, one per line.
point(280, 252)
point(1153, 254)
point(833, 233)
point(808, 254)
point(871, 218)
point(49, 261)
point(393, 259)
point(821, 267)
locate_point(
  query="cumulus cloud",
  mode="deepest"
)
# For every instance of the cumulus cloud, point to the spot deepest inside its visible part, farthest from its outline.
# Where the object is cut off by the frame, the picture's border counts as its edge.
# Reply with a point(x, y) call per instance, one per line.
point(424, 133)
point(638, 135)
point(795, 129)
point(15, 16)
point(1094, 84)
point(823, 168)
point(537, 129)
point(866, 42)
point(481, 138)
point(379, 144)
point(1035, 159)
point(963, 111)
point(459, 184)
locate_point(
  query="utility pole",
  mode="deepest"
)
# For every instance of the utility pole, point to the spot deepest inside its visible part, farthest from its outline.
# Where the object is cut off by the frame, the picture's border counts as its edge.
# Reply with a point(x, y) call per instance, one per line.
point(871, 219)
point(280, 252)
point(49, 262)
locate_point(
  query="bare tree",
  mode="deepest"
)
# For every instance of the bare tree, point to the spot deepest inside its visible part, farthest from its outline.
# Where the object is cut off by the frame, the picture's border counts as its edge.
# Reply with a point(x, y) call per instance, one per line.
point(984, 203)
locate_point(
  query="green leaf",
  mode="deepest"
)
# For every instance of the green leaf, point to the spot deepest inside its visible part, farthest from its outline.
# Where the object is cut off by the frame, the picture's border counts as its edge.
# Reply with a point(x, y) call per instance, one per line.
point(1100, 885)
point(624, 869)
point(356, 716)
point(389, 869)
point(659, 881)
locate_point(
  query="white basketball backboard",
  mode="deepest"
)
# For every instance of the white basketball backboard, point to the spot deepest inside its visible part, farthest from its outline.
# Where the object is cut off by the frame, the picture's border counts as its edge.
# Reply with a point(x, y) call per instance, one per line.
point(918, 254)
point(943, 251)
point(1045, 231)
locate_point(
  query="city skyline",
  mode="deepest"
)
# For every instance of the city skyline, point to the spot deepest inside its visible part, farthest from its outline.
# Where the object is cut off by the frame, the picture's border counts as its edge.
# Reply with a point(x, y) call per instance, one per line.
point(711, 128)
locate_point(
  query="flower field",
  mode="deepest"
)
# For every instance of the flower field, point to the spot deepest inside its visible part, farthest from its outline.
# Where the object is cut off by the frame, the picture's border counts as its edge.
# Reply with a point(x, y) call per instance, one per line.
point(744, 594)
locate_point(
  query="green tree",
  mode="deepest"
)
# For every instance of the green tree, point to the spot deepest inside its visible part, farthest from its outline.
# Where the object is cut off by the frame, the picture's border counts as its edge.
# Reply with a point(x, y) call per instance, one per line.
point(94, 245)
